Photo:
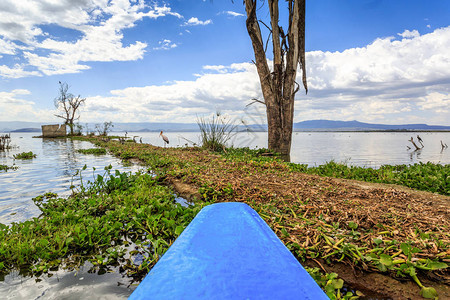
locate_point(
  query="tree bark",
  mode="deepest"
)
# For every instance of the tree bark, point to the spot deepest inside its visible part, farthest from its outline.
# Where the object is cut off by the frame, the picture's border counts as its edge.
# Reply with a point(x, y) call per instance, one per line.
point(279, 86)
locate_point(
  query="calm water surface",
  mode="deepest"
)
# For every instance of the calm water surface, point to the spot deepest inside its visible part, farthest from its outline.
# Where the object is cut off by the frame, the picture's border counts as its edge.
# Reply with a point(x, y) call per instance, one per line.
point(367, 149)
point(52, 170)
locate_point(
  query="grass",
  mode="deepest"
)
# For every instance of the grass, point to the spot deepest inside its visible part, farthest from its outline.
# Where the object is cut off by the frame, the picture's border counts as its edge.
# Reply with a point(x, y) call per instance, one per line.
point(25, 155)
point(94, 151)
point(216, 132)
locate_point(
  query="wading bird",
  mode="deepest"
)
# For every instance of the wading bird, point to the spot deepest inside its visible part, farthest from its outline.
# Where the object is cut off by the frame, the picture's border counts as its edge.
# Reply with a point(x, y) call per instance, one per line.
point(165, 139)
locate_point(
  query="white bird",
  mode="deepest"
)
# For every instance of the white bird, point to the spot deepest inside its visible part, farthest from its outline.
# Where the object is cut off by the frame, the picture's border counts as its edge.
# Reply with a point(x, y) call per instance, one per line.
point(165, 139)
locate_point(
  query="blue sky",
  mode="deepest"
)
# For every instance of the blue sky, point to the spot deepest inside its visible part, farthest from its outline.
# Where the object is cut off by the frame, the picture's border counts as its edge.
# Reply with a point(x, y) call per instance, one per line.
point(171, 61)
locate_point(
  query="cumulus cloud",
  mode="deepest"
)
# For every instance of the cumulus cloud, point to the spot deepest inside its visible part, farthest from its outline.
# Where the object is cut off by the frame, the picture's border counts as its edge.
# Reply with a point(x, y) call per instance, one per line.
point(388, 81)
point(409, 34)
point(99, 23)
point(17, 71)
point(181, 100)
point(14, 107)
point(195, 22)
point(391, 80)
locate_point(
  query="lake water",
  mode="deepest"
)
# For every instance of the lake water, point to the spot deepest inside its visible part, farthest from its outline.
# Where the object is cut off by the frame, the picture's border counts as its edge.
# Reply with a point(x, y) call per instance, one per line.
point(367, 149)
point(52, 170)
point(57, 161)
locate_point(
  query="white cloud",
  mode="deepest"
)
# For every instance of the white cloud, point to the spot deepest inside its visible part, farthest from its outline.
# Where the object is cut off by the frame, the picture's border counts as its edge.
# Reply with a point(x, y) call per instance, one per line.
point(389, 81)
point(409, 34)
point(15, 108)
point(181, 100)
point(99, 24)
point(165, 45)
point(194, 22)
point(232, 13)
point(438, 102)
point(17, 71)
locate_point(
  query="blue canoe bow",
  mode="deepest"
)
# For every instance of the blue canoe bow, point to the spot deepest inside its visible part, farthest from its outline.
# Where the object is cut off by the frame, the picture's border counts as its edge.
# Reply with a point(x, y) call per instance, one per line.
point(228, 252)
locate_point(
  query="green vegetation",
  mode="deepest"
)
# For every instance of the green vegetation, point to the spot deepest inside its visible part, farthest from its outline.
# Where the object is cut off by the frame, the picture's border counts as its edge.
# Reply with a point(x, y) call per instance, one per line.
point(216, 132)
point(6, 168)
point(109, 222)
point(94, 151)
point(422, 176)
point(401, 234)
point(395, 233)
point(25, 155)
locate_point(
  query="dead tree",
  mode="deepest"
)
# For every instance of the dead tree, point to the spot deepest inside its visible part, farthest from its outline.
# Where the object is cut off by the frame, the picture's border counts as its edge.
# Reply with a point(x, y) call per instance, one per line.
point(5, 140)
point(415, 145)
point(278, 85)
point(68, 105)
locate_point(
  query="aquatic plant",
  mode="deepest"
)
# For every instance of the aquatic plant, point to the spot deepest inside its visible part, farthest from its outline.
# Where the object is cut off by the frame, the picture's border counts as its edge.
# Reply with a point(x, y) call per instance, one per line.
point(25, 155)
point(422, 176)
point(109, 222)
point(6, 168)
point(216, 132)
point(94, 151)
point(390, 231)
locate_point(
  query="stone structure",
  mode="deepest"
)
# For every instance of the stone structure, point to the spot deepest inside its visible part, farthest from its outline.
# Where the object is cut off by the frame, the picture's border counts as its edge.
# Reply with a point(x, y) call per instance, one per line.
point(53, 130)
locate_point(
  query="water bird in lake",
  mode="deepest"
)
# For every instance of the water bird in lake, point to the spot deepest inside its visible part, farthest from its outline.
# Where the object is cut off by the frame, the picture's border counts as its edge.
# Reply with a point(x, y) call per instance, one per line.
point(165, 139)
point(420, 140)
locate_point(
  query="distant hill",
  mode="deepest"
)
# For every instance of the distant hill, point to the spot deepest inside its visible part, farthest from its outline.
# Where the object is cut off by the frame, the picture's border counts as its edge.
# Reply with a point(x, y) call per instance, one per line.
point(324, 125)
point(27, 130)
point(312, 125)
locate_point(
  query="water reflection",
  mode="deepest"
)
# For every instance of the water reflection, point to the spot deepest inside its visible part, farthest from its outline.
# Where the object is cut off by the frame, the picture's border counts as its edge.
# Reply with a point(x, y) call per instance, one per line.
point(51, 171)
point(80, 284)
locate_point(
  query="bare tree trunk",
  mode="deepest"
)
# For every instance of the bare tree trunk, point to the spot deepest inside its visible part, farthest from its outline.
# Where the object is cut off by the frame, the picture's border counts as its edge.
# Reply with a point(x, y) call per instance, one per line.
point(279, 86)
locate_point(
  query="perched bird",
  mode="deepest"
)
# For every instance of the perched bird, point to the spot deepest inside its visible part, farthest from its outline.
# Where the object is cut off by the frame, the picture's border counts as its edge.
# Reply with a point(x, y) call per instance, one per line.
point(165, 139)
point(420, 140)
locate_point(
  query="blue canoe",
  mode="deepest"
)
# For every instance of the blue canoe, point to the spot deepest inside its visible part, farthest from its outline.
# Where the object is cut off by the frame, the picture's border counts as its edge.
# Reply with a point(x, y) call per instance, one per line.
point(228, 252)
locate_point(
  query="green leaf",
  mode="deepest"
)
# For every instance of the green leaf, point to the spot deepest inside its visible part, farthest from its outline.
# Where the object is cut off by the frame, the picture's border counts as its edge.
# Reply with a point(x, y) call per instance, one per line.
point(179, 230)
point(352, 225)
point(406, 248)
point(386, 260)
point(429, 293)
point(436, 265)
point(377, 241)
point(69, 240)
point(338, 283)
point(90, 230)
point(382, 268)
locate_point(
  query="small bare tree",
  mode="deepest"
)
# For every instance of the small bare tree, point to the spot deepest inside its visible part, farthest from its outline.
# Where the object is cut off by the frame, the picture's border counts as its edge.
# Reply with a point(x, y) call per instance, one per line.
point(68, 105)
point(103, 129)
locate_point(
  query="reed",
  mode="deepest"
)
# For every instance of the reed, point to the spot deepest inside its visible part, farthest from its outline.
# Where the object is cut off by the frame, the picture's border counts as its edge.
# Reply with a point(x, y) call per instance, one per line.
point(216, 132)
